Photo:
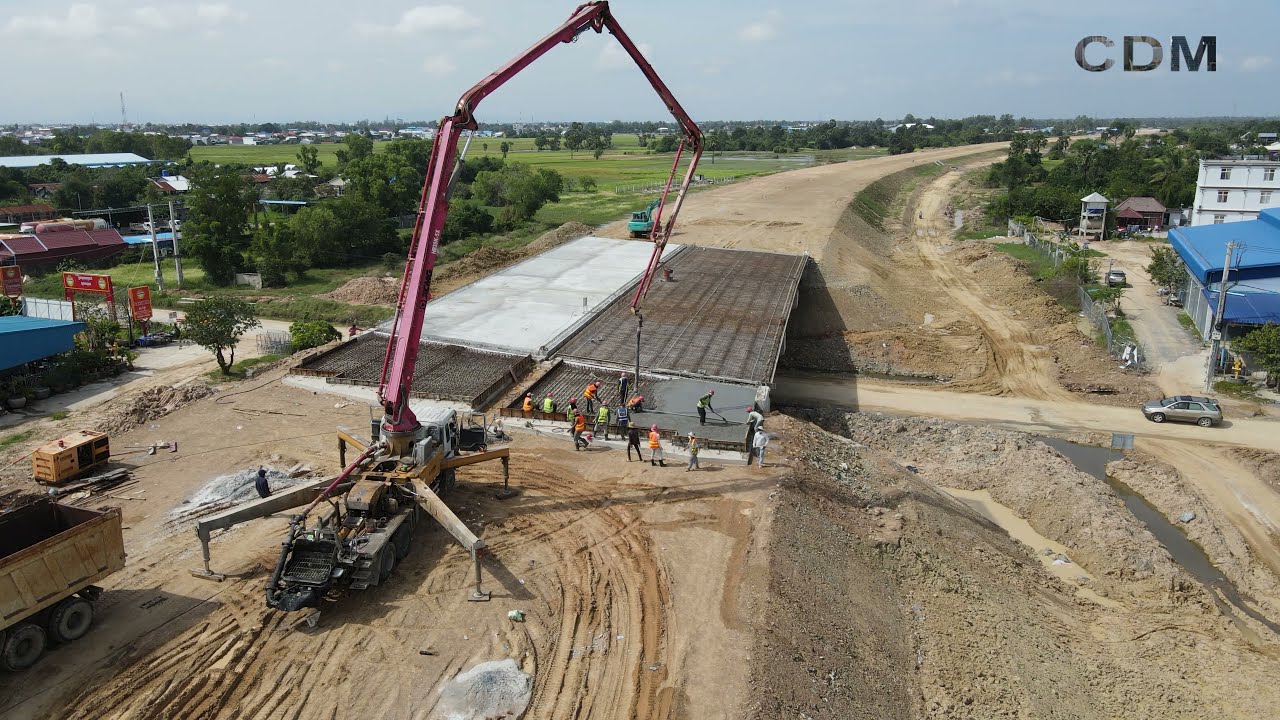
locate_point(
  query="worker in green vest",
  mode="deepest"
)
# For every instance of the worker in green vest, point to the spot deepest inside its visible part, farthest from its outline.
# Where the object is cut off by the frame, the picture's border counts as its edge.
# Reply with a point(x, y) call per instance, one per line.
point(549, 404)
point(602, 421)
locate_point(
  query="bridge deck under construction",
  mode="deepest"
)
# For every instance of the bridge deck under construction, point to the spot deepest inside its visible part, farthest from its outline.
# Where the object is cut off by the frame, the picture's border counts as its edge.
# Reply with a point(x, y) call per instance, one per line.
point(723, 315)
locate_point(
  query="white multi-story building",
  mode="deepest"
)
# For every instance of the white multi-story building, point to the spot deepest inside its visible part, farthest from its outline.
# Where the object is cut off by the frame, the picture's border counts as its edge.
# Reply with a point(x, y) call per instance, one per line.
point(1234, 189)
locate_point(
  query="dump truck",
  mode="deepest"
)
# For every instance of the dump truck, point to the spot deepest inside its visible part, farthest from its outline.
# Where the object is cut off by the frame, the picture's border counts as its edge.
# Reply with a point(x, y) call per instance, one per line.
point(50, 557)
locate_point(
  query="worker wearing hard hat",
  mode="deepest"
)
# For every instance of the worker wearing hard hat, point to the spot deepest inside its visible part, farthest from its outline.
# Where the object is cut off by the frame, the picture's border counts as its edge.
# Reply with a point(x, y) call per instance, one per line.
point(579, 425)
point(589, 395)
point(528, 402)
point(704, 404)
point(754, 420)
point(549, 404)
point(655, 447)
point(694, 447)
point(602, 421)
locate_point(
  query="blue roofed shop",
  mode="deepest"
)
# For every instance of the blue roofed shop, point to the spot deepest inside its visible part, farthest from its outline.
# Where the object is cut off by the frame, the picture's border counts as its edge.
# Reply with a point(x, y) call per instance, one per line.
point(1253, 282)
point(26, 339)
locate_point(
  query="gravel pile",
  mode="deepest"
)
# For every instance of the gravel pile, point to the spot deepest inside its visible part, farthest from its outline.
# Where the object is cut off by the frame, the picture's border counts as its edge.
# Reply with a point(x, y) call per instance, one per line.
point(367, 291)
point(152, 404)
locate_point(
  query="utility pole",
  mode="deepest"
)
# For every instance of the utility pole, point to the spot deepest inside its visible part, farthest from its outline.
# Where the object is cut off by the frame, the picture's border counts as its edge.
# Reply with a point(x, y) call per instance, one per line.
point(1216, 334)
point(173, 230)
point(155, 248)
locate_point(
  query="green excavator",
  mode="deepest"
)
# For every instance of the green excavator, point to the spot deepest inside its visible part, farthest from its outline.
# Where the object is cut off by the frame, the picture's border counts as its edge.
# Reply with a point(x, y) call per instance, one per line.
point(641, 224)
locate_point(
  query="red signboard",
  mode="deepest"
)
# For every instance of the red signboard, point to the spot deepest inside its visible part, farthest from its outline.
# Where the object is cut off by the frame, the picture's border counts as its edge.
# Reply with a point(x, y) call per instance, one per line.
point(140, 303)
point(84, 282)
point(73, 283)
point(12, 278)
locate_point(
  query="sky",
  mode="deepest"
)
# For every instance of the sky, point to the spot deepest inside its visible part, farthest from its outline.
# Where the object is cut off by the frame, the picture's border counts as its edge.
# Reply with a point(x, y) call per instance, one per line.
point(341, 61)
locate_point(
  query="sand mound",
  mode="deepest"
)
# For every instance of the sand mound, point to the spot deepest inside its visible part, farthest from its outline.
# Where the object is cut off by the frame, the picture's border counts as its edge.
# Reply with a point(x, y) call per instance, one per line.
point(482, 261)
point(559, 236)
point(228, 490)
point(153, 403)
point(367, 290)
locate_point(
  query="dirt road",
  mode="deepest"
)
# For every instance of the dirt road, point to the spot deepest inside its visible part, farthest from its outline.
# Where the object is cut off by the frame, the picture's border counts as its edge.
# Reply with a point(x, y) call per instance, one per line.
point(1178, 360)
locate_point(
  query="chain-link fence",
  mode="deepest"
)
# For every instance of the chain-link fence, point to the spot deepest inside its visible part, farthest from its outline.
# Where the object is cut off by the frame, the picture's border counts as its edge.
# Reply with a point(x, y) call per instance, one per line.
point(1121, 345)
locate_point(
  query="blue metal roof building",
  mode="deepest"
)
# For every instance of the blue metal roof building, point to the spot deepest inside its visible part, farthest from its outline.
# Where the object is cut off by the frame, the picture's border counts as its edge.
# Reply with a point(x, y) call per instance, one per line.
point(26, 339)
point(84, 160)
point(1253, 285)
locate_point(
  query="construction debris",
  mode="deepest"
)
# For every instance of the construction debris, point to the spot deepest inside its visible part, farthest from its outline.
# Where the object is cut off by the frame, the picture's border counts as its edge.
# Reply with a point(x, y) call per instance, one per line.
point(228, 490)
point(367, 291)
point(154, 403)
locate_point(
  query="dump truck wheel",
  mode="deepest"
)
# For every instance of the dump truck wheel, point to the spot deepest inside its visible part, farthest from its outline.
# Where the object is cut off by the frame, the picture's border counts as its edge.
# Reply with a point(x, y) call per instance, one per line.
point(402, 539)
point(70, 620)
point(386, 562)
point(24, 643)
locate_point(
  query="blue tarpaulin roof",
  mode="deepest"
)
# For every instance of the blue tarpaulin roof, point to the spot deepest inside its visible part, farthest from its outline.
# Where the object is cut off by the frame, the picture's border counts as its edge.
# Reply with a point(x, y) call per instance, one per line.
point(26, 339)
point(1204, 248)
point(1247, 308)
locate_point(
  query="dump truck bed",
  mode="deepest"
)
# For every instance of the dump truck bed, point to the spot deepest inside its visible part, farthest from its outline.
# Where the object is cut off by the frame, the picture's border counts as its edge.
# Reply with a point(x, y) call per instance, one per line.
point(50, 551)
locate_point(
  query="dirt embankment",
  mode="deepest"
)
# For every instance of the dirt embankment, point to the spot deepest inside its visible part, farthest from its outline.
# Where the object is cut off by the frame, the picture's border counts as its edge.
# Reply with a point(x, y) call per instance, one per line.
point(908, 300)
point(894, 600)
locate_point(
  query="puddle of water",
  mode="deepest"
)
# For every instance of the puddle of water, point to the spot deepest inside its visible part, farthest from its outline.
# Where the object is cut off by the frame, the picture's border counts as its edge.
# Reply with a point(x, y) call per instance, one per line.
point(1181, 548)
point(982, 503)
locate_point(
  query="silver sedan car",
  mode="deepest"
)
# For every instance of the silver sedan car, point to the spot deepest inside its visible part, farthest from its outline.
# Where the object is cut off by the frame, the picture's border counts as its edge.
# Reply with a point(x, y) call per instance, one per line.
point(1202, 411)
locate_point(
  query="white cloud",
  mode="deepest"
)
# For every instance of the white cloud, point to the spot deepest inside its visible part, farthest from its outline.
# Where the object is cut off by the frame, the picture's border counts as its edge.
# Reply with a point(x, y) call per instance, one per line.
point(81, 21)
point(761, 30)
point(1254, 63)
point(439, 65)
point(171, 17)
point(219, 12)
point(613, 57)
point(426, 18)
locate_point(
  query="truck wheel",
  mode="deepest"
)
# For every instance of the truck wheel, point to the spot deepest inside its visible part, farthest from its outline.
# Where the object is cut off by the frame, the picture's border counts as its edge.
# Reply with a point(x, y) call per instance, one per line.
point(70, 620)
point(23, 645)
point(386, 562)
point(448, 480)
point(402, 539)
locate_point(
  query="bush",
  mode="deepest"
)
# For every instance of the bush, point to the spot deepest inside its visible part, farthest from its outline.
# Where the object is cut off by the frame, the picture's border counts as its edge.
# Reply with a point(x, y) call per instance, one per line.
point(307, 334)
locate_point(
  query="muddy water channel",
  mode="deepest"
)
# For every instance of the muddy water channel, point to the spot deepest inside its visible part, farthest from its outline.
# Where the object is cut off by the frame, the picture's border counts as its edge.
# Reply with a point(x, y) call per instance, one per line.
point(1182, 549)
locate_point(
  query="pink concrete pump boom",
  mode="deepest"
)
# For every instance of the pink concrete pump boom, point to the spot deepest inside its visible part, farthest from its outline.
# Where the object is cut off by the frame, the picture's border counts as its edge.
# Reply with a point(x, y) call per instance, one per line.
point(415, 289)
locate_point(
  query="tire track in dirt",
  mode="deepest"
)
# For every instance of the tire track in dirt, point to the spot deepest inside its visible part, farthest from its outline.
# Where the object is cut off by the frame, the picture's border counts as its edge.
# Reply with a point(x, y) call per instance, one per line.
point(1018, 364)
point(596, 598)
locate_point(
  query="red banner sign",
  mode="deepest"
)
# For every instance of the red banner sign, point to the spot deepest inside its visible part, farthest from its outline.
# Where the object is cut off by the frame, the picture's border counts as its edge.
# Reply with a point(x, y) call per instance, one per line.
point(84, 282)
point(140, 303)
point(12, 278)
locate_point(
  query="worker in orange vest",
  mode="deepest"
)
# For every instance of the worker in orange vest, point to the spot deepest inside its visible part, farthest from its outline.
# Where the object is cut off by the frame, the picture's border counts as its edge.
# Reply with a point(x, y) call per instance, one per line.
point(590, 395)
point(655, 447)
point(636, 404)
point(528, 402)
point(579, 425)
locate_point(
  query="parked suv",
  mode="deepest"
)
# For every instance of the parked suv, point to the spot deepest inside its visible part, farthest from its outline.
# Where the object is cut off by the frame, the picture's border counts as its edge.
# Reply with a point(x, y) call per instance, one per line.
point(1202, 411)
point(1116, 278)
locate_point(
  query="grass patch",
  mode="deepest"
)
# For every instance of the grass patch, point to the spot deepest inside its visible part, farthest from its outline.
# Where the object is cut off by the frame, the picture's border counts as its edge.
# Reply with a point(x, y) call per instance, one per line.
point(9, 441)
point(1190, 326)
point(1120, 328)
point(59, 415)
point(1038, 265)
point(239, 368)
point(1238, 390)
point(983, 233)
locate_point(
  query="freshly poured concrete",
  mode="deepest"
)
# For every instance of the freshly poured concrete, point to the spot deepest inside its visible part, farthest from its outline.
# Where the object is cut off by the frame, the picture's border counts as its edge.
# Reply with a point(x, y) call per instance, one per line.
point(532, 306)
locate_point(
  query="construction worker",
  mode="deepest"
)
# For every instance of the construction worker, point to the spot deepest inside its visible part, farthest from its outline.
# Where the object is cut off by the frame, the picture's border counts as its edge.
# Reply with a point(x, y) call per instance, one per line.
point(694, 447)
point(636, 404)
point(572, 410)
point(633, 441)
point(579, 425)
point(549, 404)
point(623, 381)
point(264, 490)
point(655, 447)
point(760, 442)
point(589, 395)
point(704, 404)
point(602, 421)
point(623, 418)
point(754, 418)
point(528, 402)
point(1237, 366)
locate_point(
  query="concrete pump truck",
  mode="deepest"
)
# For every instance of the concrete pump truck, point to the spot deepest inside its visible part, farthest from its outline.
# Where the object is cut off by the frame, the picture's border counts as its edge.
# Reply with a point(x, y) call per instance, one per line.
point(373, 506)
